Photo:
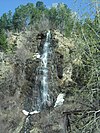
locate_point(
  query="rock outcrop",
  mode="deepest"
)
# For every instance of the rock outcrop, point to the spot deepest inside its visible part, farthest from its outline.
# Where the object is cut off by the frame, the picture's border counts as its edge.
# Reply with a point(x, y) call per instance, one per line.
point(18, 83)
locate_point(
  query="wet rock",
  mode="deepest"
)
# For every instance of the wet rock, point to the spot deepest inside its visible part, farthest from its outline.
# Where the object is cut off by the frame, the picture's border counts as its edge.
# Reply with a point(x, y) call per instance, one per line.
point(41, 36)
point(30, 69)
point(59, 65)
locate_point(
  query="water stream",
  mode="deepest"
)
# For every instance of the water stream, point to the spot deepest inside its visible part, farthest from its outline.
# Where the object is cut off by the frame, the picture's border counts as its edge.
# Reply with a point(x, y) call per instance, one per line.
point(42, 78)
point(44, 62)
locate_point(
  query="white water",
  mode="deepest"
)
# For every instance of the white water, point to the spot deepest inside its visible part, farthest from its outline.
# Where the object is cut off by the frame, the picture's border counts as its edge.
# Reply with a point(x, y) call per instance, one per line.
point(44, 81)
point(44, 58)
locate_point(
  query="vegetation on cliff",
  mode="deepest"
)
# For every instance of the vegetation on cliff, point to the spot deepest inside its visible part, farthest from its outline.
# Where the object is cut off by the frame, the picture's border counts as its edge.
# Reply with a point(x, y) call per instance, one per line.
point(78, 65)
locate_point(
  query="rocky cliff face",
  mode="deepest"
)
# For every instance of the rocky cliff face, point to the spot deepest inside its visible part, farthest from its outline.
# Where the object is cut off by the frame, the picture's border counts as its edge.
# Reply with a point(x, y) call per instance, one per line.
point(19, 87)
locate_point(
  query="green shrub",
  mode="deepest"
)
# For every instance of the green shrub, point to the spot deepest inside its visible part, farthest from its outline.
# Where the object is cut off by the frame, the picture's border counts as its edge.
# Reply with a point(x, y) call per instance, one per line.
point(3, 42)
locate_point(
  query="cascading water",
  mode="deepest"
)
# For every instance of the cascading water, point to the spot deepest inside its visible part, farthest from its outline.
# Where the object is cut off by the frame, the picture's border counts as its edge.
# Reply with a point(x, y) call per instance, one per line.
point(44, 62)
point(42, 81)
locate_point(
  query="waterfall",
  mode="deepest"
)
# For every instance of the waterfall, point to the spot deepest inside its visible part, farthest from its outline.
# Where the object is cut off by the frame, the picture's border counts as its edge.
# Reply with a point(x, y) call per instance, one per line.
point(44, 62)
point(41, 84)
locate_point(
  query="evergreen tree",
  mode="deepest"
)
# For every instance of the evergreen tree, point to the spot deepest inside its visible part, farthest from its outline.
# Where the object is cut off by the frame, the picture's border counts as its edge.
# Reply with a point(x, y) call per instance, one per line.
point(3, 42)
point(3, 21)
point(40, 5)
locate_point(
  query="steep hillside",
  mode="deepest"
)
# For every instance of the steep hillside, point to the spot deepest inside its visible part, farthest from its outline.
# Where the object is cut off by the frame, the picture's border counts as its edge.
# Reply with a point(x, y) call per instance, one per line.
point(19, 85)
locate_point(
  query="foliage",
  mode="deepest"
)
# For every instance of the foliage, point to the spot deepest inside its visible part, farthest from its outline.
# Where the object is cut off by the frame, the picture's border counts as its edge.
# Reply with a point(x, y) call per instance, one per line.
point(59, 17)
point(86, 35)
point(87, 38)
point(40, 5)
point(3, 42)
point(21, 17)
point(6, 21)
